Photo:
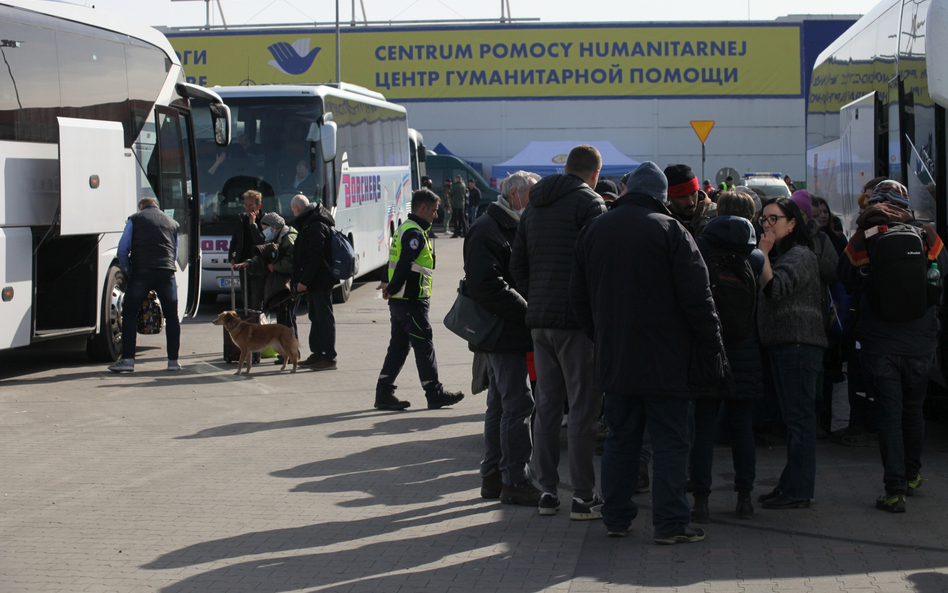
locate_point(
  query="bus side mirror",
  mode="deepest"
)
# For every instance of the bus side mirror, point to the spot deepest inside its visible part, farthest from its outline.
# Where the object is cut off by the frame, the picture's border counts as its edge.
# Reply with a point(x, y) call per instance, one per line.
point(328, 143)
point(220, 116)
point(422, 153)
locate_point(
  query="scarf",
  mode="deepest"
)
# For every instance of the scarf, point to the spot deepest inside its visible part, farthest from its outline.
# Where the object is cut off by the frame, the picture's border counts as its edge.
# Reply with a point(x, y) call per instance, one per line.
point(505, 206)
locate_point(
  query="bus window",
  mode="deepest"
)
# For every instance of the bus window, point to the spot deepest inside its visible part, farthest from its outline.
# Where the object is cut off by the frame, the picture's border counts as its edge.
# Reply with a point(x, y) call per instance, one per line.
point(270, 154)
point(93, 79)
point(29, 85)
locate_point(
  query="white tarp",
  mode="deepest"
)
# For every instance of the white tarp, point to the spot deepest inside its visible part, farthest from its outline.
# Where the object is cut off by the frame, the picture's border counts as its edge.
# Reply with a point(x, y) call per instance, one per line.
point(547, 158)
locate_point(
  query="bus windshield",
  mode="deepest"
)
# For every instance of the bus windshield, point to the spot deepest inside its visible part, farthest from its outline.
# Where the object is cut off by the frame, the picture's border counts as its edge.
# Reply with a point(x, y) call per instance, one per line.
point(269, 153)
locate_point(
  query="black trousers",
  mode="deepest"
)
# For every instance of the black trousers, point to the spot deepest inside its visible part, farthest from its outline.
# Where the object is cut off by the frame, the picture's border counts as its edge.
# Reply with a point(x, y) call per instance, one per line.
point(410, 330)
point(322, 332)
point(460, 224)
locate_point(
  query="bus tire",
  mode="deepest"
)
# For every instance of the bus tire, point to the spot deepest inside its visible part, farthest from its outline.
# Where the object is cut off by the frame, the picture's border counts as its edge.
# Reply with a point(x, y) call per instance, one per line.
point(340, 294)
point(106, 346)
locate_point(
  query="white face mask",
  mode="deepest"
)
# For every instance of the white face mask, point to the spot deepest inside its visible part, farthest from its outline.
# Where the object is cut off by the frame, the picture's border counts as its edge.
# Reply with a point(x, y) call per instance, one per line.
point(268, 234)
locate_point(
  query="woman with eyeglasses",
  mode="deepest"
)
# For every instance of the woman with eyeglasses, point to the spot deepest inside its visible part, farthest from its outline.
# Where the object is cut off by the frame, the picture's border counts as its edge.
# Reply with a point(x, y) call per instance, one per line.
point(790, 321)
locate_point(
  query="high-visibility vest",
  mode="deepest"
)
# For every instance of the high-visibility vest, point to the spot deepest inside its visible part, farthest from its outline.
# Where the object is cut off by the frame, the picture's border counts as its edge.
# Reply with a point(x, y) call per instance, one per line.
point(423, 264)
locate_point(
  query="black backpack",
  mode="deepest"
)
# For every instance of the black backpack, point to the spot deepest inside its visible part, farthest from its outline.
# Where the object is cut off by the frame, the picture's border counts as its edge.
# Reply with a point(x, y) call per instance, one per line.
point(896, 279)
point(734, 289)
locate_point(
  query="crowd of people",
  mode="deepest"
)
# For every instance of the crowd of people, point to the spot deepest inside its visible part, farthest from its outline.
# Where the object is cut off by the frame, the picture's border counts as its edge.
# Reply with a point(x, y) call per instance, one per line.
point(653, 315)
point(671, 315)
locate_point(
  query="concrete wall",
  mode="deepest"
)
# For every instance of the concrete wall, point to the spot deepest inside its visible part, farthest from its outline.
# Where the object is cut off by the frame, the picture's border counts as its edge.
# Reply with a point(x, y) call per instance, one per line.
point(749, 134)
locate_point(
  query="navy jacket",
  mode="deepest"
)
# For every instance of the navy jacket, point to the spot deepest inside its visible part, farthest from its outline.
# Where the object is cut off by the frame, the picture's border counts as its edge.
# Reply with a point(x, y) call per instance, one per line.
point(640, 290)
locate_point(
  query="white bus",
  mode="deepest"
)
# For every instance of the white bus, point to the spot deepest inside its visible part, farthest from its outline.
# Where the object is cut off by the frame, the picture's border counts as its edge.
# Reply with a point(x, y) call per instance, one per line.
point(877, 109)
point(94, 115)
point(339, 144)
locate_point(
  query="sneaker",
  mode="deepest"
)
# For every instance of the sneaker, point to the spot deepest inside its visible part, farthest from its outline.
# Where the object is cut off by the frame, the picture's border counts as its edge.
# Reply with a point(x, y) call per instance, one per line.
point(549, 504)
point(173, 365)
point(619, 532)
point(913, 485)
point(313, 359)
point(390, 402)
point(445, 398)
point(894, 503)
point(279, 359)
point(586, 510)
point(491, 484)
point(523, 493)
point(688, 535)
point(323, 365)
point(643, 485)
point(773, 494)
point(123, 365)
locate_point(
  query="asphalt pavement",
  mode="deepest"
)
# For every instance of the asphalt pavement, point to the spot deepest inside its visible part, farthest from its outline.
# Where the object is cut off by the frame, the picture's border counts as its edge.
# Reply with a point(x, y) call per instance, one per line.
point(203, 481)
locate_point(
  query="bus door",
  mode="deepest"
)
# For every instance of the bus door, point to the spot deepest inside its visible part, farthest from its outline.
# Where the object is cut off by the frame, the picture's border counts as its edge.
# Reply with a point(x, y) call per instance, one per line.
point(170, 171)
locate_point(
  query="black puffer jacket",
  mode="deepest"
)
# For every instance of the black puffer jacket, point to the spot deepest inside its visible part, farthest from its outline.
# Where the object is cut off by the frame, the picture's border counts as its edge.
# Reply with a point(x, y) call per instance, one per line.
point(560, 206)
point(487, 249)
point(737, 234)
point(311, 257)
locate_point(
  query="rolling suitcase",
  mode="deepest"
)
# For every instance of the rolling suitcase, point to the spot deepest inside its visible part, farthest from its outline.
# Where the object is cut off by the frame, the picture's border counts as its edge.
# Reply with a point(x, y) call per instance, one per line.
point(231, 351)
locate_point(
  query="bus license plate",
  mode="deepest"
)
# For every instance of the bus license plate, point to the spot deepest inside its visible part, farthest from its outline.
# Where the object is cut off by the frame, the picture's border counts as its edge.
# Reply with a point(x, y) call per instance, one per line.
point(228, 282)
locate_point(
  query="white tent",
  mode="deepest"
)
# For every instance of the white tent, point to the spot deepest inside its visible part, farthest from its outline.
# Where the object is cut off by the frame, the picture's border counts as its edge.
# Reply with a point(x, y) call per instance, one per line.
point(547, 158)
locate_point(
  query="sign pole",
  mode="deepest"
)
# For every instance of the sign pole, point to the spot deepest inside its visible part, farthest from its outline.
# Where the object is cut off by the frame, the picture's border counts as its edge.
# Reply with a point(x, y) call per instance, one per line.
point(702, 128)
point(338, 57)
point(702, 163)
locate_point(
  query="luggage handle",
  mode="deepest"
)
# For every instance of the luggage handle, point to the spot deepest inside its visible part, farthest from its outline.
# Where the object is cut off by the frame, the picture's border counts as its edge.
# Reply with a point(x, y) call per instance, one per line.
point(233, 295)
point(243, 286)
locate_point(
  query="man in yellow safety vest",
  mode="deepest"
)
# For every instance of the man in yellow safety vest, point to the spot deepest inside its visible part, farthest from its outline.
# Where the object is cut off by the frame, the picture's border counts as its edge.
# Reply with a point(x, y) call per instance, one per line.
point(410, 273)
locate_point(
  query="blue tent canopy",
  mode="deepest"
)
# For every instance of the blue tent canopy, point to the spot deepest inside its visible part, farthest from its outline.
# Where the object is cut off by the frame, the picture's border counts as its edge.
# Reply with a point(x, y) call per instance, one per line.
point(547, 158)
point(442, 149)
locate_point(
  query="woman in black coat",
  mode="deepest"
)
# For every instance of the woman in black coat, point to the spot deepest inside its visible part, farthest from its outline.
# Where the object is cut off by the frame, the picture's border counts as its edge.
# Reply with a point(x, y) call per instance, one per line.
point(731, 232)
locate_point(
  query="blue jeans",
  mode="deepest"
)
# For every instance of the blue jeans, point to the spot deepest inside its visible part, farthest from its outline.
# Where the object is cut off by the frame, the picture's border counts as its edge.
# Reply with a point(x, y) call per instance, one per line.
point(899, 384)
point(795, 367)
point(507, 437)
point(140, 283)
point(471, 212)
point(740, 430)
point(667, 422)
point(322, 332)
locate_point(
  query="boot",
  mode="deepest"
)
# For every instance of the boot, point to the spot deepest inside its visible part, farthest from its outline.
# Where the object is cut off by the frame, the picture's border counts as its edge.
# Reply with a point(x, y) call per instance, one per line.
point(700, 512)
point(745, 510)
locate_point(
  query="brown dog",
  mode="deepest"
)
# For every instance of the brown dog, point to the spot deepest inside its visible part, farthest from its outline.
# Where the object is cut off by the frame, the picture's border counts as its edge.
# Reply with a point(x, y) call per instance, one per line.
point(253, 337)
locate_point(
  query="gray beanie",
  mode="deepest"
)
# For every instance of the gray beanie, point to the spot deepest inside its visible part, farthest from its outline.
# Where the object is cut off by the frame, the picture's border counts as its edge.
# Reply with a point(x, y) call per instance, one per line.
point(648, 179)
point(273, 219)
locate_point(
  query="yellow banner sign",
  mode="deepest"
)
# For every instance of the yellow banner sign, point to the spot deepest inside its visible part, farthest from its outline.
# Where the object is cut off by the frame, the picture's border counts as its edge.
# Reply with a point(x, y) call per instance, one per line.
point(510, 62)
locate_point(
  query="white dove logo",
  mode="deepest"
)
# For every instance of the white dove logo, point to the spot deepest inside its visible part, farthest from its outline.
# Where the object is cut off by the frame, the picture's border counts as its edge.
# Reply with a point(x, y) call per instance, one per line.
point(293, 59)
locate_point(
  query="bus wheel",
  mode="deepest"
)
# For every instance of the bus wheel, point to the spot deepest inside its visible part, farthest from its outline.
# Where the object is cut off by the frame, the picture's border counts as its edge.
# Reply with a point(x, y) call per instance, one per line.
point(340, 293)
point(106, 346)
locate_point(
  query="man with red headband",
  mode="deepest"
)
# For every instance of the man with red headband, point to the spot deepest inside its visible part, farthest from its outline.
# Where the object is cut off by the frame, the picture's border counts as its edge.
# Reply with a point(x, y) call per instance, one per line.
point(686, 201)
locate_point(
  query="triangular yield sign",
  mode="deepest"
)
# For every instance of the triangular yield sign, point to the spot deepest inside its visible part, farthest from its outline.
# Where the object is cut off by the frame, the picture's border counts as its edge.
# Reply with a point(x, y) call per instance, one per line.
point(702, 128)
